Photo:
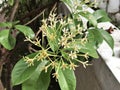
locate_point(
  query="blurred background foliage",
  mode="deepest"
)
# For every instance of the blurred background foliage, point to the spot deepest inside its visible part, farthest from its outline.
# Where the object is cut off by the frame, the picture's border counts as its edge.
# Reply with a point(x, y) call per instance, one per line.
point(27, 12)
point(23, 11)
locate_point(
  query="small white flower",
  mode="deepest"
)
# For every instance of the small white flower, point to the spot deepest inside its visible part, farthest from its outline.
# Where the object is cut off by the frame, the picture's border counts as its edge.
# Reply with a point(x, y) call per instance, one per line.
point(73, 55)
point(65, 30)
point(63, 41)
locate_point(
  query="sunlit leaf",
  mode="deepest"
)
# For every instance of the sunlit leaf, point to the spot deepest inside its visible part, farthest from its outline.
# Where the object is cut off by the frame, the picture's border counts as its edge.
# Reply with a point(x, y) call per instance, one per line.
point(5, 24)
point(66, 79)
point(101, 16)
point(39, 80)
point(44, 80)
point(98, 38)
point(87, 47)
point(27, 31)
point(107, 37)
point(90, 50)
point(53, 38)
point(89, 17)
point(7, 40)
point(21, 71)
point(64, 54)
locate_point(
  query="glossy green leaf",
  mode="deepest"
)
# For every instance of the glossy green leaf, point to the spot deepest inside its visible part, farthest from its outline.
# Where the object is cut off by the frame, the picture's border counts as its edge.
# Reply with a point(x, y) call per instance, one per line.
point(39, 79)
point(53, 38)
point(88, 48)
point(64, 54)
point(91, 38)
point(7, 40)
point(27, 31)
point(12, 41)
point(21, 71)
point(44, 80)
point(107, 37)
point(98, 38)
point(101, 16)
point(89, 17)
point(5, 24)
point(66, 79)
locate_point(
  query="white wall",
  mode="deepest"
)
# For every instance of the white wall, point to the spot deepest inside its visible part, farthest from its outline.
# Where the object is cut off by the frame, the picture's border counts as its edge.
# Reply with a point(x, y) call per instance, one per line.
point(112, 7)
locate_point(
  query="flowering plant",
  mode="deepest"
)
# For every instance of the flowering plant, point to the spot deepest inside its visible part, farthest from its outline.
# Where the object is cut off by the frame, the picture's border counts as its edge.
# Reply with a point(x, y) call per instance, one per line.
point(65, 43)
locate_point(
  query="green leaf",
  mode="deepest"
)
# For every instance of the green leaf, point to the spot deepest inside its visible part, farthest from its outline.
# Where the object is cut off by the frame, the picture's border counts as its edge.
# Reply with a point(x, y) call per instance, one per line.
point(73, 25)
point(68, 2)
point(53, 38)
point(21, 71)
point(107, 37)
point(76, 21)
point(6, 24)
point(98, 38)
point(44, 80)
point(90, 50)
point(27, 31)
point(64, 54)
point(89, 17)
point(6, 39)
point(91, 38)
point(11, 2)
point(39, 79)
point(101, 16)
point(66, 79)
point(87, 47)
point(12, 41)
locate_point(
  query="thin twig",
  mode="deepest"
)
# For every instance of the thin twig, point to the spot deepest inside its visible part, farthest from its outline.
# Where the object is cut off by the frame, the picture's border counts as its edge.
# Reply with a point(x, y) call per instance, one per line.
point(107, 3)
point(14, 10)
point(36, 11)
point(34, 18)
point(38, 32)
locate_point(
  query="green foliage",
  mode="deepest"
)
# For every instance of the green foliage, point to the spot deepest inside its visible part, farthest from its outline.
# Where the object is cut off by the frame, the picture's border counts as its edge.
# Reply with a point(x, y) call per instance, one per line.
point(22, 71)
point(68, 2)
point(6, 36)
point(98, 38)
point(7, 40)
point(89, 17)
point(39, 80)
point(67, 79)
point(11, 2)
point(53, 37)
point(90, 50)
point(27, 31)
point(6, 24)
point(107, 38)
point(64, 42)
point(101, 16)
